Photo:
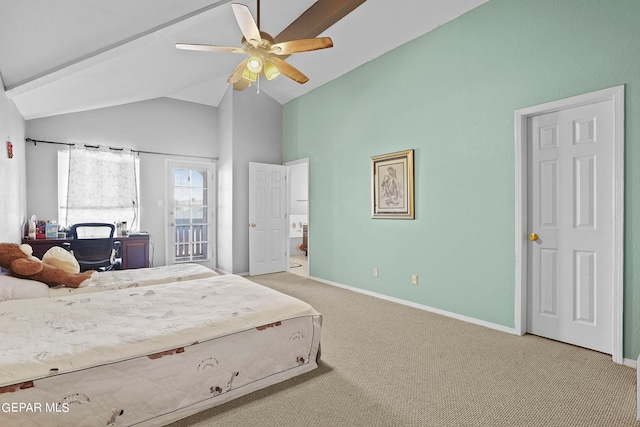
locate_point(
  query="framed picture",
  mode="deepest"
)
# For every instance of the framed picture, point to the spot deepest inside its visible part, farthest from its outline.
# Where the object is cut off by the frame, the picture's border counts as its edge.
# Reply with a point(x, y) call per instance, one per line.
point(392, 182)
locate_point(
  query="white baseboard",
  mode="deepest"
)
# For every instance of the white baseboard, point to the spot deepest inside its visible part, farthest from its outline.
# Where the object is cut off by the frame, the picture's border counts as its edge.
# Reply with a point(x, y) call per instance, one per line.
point(627, 362)
point(225, 272)
point(457, 316)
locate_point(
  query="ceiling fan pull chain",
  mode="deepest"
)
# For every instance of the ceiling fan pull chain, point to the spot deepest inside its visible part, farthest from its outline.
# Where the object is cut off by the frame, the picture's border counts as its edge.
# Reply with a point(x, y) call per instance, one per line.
point(258, 81)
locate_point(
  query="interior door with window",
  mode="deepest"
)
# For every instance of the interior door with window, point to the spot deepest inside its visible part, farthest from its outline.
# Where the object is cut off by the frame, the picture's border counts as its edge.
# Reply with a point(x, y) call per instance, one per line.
point(191, 213)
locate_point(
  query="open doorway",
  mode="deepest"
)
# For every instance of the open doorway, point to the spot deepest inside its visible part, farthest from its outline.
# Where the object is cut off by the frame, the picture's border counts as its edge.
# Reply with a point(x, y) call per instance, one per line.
point(298, 189)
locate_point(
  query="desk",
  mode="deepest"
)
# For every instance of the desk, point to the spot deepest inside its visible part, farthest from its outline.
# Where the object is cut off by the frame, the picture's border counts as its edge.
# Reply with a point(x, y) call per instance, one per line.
point(134, 250)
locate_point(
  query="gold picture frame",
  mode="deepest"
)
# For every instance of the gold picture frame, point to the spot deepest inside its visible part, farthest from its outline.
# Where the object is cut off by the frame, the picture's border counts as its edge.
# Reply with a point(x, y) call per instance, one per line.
point(392, 185)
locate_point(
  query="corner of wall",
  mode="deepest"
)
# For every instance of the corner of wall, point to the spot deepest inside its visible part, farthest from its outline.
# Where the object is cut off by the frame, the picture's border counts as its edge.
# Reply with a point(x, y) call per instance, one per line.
point(225, 183)
point(257, 137)
point(13, 202)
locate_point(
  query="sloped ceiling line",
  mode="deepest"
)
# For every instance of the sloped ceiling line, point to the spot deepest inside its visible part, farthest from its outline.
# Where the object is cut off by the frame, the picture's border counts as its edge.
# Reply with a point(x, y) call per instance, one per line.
point(66, 56)
point(116, 49)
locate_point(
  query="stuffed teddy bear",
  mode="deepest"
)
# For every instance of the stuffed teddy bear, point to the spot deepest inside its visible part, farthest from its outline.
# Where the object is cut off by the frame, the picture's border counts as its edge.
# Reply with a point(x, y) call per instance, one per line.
point(22, 264)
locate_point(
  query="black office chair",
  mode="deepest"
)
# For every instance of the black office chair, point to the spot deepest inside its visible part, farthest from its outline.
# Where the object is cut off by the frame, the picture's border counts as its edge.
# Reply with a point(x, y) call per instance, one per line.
point(93, 246)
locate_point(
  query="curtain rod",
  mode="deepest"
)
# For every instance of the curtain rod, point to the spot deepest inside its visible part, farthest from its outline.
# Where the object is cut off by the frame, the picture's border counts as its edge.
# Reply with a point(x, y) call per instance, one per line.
point(35, 142)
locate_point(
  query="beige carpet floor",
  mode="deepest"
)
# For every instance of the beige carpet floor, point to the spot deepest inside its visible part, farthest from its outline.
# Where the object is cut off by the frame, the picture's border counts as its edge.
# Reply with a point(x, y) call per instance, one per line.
point(385, 364)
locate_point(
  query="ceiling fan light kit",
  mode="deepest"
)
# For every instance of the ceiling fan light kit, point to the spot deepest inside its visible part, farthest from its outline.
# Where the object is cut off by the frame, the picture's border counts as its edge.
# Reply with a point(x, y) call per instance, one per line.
point(249, 75)
point(264, 54)
point(271, 71)
point(255, 64)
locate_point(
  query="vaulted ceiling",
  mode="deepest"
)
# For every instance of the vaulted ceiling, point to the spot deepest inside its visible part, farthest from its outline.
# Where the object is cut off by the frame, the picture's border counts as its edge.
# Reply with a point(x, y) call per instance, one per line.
point(61, 56)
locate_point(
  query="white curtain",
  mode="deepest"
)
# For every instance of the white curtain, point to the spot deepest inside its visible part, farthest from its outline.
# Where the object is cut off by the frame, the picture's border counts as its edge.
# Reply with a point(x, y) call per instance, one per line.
point(102, 186)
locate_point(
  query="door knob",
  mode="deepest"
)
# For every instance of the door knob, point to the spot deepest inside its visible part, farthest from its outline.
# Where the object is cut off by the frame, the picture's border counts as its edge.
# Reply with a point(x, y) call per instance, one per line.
point(533, 237)
point(253, 225)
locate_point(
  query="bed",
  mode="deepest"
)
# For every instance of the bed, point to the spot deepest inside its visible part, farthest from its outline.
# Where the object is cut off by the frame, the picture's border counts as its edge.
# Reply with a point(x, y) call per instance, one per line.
point(121, 279)
point(15, 288)
point(151, 355)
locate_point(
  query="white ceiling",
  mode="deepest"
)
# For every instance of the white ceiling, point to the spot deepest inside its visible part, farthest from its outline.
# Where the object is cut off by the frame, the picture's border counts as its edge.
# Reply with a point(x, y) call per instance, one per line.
point(61, 56)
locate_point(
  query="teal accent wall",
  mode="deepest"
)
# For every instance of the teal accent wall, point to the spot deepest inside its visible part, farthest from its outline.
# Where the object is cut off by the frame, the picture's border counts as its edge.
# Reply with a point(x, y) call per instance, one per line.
point(451, 95)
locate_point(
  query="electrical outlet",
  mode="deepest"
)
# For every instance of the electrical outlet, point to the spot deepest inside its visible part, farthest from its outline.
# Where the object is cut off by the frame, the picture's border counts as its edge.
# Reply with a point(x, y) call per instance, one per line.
point(414, 279)
point(375, 272)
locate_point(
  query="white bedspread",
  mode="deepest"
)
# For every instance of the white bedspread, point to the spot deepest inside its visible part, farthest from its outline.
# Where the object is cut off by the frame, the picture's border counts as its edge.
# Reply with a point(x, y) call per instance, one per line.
point(46, 336)
point(121, 279)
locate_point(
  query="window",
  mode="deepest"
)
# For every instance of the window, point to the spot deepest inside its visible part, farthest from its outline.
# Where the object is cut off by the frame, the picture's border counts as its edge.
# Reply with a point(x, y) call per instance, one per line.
point(190, 195)
point(97, 185)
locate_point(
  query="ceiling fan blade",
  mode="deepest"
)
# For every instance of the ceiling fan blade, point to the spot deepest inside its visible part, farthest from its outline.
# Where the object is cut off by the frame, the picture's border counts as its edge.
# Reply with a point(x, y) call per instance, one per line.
point(241, 84)
point(209, 48)
point(237, 73)
point(247, 24)
point(304, 45)
point(318, 18)
point(289, 70)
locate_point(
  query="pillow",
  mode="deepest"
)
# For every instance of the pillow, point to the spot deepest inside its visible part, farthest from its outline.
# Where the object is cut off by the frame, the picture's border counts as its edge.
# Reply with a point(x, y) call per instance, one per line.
point(16, 288)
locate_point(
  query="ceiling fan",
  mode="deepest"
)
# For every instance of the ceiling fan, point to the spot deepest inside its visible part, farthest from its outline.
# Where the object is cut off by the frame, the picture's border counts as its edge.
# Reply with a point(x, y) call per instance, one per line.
point(265, 56)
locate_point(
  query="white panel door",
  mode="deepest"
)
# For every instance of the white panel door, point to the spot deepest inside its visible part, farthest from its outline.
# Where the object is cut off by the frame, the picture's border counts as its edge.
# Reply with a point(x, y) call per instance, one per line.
point(267, 219)
point(571, 157)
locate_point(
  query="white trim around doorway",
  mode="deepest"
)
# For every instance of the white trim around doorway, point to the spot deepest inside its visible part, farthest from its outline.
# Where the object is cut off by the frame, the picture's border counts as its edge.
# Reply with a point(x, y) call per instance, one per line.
point(304, 160)
point(615, 94)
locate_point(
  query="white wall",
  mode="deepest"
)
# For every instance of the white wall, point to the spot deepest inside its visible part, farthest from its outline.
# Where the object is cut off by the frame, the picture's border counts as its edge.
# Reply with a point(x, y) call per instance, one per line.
point(247, 127)
point(13, 179)
point(257, 137)
point(160, 125)
point(250, 130)
point(225, 183)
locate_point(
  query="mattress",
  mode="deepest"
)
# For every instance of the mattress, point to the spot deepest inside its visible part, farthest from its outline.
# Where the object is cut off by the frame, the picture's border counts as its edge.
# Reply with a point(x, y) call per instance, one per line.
point(148, 356)
point(120, 279)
